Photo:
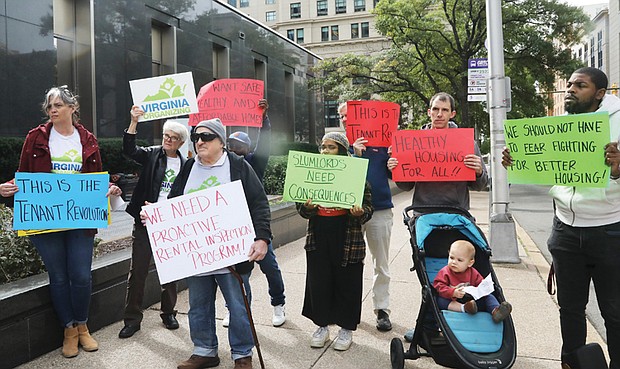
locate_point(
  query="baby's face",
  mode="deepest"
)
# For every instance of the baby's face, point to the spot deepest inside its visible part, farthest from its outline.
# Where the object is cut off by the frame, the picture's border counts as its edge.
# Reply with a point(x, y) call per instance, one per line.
point(459, 259)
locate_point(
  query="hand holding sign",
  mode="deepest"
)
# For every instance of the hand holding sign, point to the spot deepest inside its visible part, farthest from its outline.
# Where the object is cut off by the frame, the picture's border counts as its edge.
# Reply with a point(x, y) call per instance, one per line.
point(327, 180)
point(54, 201)
point(567, 150)
point(164, 96)
point(434, 155)
point(201, 232)
point(234, 101)
point(374, 121)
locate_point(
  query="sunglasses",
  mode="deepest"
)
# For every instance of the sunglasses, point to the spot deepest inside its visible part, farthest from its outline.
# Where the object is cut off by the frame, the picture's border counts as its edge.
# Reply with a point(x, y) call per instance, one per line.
point(204, 136)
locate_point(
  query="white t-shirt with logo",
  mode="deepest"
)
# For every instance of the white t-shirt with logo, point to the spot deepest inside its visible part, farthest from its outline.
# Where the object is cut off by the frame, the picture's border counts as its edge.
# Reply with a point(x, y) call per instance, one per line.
point(66, 152)
point(173, 166)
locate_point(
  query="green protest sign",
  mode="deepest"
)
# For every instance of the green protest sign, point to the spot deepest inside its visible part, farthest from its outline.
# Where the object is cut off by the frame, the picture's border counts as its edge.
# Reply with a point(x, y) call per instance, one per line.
point(566, 150)
point(329, 180)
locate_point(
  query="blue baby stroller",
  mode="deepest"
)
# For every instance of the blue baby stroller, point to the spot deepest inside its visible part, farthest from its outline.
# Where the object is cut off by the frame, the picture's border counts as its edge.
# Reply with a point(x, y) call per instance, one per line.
point(452, 339)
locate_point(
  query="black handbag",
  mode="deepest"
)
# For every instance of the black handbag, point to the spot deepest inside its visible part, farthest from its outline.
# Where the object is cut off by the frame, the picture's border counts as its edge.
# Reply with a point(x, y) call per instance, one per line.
point(589, 356)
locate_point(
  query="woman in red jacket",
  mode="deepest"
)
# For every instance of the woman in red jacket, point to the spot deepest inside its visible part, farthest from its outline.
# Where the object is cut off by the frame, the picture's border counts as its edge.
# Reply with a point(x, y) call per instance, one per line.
point(62, 145)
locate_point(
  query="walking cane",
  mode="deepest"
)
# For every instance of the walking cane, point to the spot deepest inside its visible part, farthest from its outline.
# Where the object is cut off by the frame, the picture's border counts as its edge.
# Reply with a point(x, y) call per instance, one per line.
point(247, 308)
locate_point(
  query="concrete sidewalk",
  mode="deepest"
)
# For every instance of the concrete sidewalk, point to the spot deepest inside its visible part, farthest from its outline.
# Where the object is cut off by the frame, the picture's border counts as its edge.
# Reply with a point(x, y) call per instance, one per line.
point(535, 316)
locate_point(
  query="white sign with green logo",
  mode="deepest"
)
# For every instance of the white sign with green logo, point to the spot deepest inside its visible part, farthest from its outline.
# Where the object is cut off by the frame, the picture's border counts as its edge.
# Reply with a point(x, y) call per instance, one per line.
point(165, 96)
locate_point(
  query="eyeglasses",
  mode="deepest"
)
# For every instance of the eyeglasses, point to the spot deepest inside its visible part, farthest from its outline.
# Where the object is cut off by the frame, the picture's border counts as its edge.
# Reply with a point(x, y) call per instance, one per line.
point(171, 138)
point(204, 136)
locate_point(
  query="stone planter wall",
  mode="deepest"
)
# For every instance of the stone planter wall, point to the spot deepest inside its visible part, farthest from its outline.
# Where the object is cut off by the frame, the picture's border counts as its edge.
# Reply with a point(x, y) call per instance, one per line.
point(29, 327)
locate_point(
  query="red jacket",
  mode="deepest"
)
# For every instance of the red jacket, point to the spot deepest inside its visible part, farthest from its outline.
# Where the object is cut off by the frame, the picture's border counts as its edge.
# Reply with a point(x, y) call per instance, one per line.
point(35, 156)
point(446, 280)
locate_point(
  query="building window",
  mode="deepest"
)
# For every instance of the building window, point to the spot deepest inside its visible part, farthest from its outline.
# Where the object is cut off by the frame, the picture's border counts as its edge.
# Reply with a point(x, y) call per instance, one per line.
point(233, 3)
point(335, 33)
point(359, 5)
point(585, 52)
point(365, 29)
point(355, 30)
point(244, 3)
point(321, 7)
point(270, 16)
point(300, 35)
point(592, 56)
point(331, 113)
point(295, 10)
point(341, 6)
point(270, 2)
point(600, 49)
point(325, 33)
point(290, 34)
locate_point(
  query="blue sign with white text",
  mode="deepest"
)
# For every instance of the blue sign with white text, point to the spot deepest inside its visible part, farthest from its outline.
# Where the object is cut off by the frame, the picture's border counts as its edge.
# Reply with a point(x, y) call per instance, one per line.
point(478, 63)
point(54, 201)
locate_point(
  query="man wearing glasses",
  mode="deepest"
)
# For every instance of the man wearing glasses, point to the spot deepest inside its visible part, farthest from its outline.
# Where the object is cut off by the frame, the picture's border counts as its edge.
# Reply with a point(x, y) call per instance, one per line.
point(160, 166)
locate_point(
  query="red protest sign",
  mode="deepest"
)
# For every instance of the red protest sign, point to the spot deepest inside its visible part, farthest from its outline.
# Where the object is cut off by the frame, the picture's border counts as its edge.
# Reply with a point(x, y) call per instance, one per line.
point(234, 101)
point(432, 155)
point(376, 121)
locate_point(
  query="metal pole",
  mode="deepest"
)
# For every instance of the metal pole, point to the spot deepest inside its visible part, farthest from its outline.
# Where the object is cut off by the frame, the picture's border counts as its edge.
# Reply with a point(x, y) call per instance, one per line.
point(503, 237)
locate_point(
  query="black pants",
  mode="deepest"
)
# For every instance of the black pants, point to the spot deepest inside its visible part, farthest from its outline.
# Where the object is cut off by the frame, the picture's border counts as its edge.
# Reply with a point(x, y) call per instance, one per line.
point(582, 254)
point(333, 293)
point(140, 260)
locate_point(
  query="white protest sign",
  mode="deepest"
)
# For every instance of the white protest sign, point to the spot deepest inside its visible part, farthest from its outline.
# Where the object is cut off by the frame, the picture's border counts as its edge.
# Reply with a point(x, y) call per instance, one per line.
point(199, 232)
point(165, 96)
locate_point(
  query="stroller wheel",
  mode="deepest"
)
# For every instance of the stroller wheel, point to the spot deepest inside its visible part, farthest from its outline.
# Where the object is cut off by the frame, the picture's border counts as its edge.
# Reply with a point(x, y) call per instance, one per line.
point(397, 354)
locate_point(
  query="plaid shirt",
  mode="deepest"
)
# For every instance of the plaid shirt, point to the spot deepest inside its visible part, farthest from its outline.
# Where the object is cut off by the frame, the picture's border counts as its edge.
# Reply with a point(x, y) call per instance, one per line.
point(354, 245)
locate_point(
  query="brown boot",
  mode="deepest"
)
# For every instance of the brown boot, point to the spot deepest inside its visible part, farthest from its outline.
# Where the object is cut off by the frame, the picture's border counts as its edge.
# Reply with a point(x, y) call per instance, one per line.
point(470, 307)
point(87, 342)
point(70, 343)
point(243, 363)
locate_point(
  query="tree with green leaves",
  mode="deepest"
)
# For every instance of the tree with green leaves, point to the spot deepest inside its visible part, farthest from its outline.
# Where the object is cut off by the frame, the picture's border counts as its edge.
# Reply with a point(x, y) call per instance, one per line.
point(431, 42)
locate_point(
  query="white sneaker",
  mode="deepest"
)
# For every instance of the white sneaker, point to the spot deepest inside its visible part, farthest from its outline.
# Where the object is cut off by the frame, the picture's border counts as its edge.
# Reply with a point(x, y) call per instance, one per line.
point(226, 320)
point(344, 340)
point(278, 315)
point(320, 337)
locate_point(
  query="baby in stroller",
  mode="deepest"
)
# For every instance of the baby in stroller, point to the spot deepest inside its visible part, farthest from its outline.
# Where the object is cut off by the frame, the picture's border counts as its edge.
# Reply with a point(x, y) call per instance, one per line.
point(458, 274)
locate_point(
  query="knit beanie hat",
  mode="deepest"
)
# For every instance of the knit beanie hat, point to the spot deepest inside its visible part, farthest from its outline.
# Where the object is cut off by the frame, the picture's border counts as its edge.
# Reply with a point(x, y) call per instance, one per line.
point(216, 126)
point(338, 138)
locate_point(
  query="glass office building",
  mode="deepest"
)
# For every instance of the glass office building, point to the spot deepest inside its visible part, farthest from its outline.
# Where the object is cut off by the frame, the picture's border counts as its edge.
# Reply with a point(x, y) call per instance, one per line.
point(97, 46)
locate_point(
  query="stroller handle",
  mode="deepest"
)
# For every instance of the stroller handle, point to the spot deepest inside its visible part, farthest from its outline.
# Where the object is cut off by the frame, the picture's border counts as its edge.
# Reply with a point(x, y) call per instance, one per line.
point(422, 209)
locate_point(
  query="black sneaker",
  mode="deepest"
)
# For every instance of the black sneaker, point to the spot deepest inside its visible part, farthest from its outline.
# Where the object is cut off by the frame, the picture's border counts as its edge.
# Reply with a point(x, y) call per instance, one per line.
point(170, 320)
point(383, 321)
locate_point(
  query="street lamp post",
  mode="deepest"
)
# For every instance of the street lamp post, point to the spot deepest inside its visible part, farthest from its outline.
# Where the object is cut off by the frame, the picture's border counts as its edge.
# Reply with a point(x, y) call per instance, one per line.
point(502, 232)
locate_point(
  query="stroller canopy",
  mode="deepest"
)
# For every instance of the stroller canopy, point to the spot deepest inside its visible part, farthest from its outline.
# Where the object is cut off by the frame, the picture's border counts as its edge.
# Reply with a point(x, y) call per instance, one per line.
point(426, 223)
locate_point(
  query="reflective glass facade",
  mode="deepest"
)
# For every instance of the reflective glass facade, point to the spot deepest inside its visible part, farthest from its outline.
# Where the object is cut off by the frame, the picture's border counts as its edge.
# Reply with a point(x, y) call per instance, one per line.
point(53, 42)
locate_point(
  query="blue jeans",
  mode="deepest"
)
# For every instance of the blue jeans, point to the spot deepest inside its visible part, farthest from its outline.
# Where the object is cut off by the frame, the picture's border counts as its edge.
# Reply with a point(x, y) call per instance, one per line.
point(269, 267)
point(68, 256)
point(202, 315)
point(581, 255)
point(487, 303)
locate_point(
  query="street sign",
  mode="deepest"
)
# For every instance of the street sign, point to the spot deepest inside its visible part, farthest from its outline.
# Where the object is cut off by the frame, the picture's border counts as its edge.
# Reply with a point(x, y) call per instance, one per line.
point(471, 98)
point(482, 63)
point(476, 90)
point(477, 75)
